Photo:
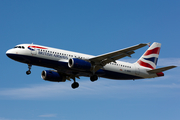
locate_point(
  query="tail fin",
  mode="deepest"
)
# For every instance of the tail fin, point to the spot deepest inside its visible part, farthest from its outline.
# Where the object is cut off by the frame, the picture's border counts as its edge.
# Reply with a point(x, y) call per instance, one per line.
point(150, 57)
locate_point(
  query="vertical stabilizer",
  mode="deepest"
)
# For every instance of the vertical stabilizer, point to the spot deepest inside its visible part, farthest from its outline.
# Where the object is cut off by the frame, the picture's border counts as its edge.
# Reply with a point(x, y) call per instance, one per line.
point(150, 57)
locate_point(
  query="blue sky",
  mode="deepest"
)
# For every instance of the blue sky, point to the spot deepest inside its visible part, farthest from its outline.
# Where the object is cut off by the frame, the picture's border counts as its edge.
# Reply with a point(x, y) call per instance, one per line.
point(93, 27)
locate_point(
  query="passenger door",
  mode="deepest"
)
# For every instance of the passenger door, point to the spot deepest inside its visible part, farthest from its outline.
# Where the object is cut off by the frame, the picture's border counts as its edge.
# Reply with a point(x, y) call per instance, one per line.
point(34, 51)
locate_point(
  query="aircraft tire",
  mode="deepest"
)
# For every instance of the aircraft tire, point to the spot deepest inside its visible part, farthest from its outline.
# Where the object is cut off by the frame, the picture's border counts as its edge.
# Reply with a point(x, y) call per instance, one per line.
point(94, 78)
point(28, 72)
point(75, 85)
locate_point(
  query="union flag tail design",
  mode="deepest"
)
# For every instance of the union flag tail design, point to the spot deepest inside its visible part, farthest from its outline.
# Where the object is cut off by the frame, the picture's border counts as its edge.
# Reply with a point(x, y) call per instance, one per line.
point(150, 57)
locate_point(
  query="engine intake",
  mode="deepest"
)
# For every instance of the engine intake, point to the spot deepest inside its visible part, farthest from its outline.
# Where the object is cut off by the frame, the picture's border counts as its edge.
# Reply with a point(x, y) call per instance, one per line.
point(52, 76)
point(79, 64)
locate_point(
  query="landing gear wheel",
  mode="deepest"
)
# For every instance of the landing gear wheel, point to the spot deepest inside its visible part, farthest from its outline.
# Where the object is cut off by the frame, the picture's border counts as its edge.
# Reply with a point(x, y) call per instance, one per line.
point(75, 85)
point(93, 78)
point(28, 72)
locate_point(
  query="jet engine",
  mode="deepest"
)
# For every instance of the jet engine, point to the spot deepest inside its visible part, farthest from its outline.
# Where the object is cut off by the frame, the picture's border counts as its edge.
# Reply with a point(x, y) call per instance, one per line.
point(79, 64)
point(52, 76)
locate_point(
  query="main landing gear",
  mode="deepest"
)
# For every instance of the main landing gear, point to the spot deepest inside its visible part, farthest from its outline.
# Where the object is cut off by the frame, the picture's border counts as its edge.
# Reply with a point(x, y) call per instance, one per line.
point(75, 84)
point(94, 78)
point(29, 71)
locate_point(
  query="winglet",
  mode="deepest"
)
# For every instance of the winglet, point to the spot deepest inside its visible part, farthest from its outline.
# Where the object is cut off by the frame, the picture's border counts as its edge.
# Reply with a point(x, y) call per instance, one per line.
point(149, 44)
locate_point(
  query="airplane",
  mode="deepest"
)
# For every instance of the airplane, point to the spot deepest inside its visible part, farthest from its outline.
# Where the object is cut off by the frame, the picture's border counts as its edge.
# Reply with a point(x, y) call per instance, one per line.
point(67, 65)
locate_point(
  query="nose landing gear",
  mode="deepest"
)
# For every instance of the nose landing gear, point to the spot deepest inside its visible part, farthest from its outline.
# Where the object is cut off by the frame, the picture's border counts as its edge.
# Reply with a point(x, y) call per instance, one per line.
point(29, 71)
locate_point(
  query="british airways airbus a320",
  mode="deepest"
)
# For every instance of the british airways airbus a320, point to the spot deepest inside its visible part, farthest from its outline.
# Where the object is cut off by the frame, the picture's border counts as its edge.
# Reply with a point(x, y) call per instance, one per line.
point(68, 65)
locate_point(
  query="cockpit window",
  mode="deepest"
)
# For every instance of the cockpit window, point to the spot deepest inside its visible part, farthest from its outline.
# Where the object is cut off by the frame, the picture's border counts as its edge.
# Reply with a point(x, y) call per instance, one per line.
point(21, 47)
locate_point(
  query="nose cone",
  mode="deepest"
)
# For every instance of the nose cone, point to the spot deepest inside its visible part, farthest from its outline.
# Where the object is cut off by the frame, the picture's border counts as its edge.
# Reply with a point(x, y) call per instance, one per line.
point(15, 55)
point(10, 53)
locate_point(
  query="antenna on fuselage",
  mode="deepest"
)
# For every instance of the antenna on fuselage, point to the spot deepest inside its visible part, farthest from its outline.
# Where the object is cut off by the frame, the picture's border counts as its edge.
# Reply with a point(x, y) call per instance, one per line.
point(31, 44)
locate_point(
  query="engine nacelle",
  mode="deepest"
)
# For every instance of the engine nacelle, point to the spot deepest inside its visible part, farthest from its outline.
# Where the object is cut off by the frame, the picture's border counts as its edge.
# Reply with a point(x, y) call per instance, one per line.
point(52, 76)
point(79, 64)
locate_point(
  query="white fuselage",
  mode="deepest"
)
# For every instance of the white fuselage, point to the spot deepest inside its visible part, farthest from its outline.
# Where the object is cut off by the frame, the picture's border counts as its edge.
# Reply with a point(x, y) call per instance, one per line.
point(58, 60)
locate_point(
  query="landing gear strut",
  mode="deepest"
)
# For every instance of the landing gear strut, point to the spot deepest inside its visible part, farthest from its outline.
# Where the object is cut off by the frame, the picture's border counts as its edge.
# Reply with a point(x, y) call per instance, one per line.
point(29, 71)
point(75, 84)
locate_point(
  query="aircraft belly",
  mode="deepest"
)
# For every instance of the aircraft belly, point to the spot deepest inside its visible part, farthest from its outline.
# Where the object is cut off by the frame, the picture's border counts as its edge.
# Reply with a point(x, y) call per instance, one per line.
point(119, 75)
point(63, 67)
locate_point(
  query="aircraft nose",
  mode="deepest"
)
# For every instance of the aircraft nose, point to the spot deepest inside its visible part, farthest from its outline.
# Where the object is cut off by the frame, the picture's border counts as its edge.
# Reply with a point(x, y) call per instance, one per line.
point(13, 54)
point(9, 53)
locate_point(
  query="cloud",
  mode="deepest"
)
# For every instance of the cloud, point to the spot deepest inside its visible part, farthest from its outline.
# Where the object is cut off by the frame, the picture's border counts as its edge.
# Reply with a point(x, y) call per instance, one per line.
point(103, 88)
point(99, 89)
point(34, 91)
point(48, 115)
point(169, 61)
point(3, 118)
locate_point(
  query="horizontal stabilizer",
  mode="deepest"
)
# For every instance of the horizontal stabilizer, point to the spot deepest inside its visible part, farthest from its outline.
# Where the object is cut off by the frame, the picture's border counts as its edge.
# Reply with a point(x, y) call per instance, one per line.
point(161, 69)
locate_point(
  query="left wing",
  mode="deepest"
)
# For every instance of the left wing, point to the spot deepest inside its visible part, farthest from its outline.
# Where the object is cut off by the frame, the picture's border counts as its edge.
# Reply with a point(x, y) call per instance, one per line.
point(101, 60)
